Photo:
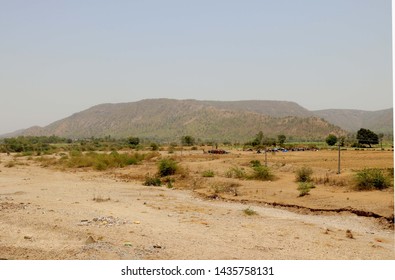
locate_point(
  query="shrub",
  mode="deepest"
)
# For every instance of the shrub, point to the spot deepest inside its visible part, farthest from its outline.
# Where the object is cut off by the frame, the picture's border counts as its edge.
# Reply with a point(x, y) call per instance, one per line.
point(75, 153)
point(152, 181)
point(99, 198)
point(236, 172)
point(304, 188)
point(390, 172)
point(167, 167)
point(154, 146)
point(225, 187)
point(208, 173)
point(100, 161)
point(331, 181)
point(371, 178)
point(255, 163)
point(249, 212)
point(169, 182)
point(303, 174)
point(261, 173)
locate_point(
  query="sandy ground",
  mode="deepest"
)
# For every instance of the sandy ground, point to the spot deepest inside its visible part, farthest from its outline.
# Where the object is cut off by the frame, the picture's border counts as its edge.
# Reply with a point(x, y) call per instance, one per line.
point(52, 214)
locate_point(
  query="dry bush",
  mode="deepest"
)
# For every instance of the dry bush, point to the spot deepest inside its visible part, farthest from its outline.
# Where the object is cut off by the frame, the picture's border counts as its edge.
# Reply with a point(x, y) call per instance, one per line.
point(98, 161)
point(99, 198)
point(236, 172)
point(225, 187)
point(331, 181)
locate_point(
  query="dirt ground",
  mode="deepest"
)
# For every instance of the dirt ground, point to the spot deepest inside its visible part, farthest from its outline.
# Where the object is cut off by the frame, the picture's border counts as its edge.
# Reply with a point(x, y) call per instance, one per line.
point(48, 213)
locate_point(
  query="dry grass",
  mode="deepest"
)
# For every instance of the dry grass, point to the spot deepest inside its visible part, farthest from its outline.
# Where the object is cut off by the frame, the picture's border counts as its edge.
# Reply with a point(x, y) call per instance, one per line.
point(332, 180)
point(225, 187)
point(99, 198)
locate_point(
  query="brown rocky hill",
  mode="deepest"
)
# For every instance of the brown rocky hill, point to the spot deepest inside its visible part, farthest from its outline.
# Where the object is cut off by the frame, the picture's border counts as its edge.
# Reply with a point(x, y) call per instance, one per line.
point(379, 121)
point(169, 119)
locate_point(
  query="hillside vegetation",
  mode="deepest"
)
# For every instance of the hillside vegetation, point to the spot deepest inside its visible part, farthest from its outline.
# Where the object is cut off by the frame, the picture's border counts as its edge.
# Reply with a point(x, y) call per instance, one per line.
point(380, 121)
point(168, 120)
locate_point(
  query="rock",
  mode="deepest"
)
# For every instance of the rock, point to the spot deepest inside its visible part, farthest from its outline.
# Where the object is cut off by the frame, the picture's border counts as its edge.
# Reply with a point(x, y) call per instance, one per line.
point(27, 237)
point(90, 240)
point(349, 234)
point(83, 223)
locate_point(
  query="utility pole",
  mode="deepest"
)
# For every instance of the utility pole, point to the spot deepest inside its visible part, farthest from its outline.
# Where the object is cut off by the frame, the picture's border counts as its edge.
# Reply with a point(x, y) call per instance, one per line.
point(265, 156)
point(338, 162)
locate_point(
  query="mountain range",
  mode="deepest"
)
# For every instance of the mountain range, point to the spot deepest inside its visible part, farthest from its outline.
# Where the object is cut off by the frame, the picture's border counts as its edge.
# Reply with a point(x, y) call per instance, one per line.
point(169, 119)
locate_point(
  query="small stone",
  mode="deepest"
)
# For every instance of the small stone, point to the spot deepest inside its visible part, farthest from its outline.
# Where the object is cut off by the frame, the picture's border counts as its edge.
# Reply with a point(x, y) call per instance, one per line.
point(136, 222)
point(349, 234)
point(27, 237)
point(90, 240)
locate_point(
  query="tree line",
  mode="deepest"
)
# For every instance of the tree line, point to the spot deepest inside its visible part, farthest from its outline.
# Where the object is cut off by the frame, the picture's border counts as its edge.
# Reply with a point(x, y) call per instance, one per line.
point(364, 137)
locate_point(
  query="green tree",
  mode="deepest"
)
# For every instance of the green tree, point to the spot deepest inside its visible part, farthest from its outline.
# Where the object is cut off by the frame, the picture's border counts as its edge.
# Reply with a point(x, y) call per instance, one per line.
point(133, 141)
point(281, 139)
point(366, 136)
point(188, 140)
point(258, 139)
point(154, 146)
point(331, 139)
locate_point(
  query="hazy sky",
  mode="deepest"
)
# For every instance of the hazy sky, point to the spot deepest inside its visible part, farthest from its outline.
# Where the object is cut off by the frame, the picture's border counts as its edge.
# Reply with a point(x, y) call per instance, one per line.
point(61, 57)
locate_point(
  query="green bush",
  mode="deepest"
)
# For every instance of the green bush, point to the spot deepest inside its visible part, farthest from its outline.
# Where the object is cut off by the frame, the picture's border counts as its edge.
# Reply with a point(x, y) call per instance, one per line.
point(304, 188)
point(250, 212)
point(154, 146)
point(169, 182)
point(255, 163)
point(152, 181)
point(262, 173)
point(371, 178)
point(208, 173)
point(167, 167)
point(303, 174)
